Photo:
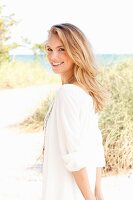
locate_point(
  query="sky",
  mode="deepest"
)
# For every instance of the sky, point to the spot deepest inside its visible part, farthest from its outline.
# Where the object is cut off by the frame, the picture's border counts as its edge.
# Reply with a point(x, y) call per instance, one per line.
point(106, 23)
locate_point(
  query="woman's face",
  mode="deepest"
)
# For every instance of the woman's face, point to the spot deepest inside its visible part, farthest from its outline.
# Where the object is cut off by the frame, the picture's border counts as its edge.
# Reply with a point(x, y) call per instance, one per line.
point(59, 59)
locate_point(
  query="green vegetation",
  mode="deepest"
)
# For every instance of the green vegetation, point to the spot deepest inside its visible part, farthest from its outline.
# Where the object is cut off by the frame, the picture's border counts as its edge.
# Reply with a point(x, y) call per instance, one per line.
point(18, 74)
point(35, 122)
point(6, 22)
point(6, 45)
point(116, 121)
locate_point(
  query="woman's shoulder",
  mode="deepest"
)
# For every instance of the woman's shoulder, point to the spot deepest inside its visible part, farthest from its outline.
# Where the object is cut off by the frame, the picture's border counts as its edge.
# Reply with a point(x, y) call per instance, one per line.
point(74, 92)
point(67, 89)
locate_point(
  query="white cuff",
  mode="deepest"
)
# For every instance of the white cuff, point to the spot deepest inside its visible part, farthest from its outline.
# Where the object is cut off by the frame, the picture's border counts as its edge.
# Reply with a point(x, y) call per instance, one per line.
point(75, 161)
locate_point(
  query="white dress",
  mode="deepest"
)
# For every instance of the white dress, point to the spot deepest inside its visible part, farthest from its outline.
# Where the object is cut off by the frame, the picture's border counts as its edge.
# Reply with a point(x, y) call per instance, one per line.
point(73, 141)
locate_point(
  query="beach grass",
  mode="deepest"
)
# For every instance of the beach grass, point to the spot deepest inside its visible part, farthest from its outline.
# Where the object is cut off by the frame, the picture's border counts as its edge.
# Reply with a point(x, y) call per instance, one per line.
point(35, 122)
point(17, 74)
point(115, 121)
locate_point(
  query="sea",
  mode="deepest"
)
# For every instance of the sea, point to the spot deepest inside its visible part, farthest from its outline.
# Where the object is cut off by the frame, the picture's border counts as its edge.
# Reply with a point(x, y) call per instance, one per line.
point(102, 59)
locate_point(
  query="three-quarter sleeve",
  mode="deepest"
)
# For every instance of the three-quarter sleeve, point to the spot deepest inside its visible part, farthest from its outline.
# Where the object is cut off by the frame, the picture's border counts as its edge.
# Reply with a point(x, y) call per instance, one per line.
point(69, 130)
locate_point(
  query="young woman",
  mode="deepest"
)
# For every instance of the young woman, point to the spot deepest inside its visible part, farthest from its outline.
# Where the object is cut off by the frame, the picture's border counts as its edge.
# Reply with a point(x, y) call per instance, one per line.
point(73, 155)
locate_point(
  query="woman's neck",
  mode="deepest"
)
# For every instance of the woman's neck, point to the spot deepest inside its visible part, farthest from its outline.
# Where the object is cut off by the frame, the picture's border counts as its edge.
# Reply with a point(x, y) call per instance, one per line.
point(70, 80)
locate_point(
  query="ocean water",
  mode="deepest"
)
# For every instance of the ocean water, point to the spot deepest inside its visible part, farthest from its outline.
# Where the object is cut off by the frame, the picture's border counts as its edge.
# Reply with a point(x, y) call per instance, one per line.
point(108, 59)
point(31, 58)
point(102, 59)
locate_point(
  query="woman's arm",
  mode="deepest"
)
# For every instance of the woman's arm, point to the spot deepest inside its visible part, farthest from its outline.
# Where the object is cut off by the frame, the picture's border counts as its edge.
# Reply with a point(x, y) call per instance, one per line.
point(82, 181)
point(98, 190)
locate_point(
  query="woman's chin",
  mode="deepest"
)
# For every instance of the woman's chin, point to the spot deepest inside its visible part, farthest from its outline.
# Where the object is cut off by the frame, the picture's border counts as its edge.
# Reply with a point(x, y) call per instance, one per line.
point(56, 70)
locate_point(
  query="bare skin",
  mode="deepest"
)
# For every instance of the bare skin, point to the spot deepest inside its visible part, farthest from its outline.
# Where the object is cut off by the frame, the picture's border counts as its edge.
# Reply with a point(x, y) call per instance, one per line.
point(82, 181)
point(98, 190)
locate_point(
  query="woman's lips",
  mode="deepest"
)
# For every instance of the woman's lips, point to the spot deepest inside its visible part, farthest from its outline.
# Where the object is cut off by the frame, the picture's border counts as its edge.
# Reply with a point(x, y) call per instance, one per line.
point(57, 64)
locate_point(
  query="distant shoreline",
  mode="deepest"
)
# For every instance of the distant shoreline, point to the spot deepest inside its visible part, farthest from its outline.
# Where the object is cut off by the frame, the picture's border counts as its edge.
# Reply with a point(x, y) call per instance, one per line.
point(105, 59)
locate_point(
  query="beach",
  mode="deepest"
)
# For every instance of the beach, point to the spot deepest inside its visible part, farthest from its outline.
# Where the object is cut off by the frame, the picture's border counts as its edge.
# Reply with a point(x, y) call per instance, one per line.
point(20, 173)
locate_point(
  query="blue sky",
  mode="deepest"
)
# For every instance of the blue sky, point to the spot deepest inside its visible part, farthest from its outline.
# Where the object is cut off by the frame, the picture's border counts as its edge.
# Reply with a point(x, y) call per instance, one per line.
point(106, 23)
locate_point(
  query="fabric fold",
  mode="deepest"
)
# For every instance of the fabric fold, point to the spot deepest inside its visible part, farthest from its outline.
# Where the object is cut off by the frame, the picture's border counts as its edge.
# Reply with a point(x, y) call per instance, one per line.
point(75, 161)
point(69, 130)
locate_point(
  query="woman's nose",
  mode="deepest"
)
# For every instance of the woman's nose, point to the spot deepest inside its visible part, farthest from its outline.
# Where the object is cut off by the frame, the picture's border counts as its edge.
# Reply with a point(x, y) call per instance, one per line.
point(54, 55)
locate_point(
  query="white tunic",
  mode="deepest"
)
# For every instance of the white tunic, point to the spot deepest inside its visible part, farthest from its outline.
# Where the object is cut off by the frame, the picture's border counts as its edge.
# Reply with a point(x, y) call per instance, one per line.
point(73, 141)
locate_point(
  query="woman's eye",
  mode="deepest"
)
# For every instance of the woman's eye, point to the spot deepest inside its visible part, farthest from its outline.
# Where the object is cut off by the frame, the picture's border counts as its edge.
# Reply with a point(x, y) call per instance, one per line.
point(48, 49)
point(61, 49)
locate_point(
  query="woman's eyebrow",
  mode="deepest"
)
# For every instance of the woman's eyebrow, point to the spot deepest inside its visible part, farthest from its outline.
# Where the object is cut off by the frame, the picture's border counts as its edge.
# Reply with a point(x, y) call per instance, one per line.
point(55, 47)
point(47, 45)
point(60, 46)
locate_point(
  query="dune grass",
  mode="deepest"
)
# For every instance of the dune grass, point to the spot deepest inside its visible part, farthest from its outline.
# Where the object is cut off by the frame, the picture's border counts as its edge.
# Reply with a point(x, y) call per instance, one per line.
point(19, 74)
point(116, 120)
point(35, 122)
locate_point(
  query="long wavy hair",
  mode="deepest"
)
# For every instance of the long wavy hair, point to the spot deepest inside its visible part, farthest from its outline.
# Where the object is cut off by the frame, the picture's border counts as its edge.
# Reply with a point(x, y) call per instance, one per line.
point(80, 51)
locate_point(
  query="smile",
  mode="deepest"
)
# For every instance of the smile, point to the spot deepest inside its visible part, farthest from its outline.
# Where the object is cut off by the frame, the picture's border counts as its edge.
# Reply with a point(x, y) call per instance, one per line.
point(57, 64)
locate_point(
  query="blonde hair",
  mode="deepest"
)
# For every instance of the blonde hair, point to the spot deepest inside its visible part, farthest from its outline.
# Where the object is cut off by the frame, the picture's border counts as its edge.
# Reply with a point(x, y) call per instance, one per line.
point(79, 49)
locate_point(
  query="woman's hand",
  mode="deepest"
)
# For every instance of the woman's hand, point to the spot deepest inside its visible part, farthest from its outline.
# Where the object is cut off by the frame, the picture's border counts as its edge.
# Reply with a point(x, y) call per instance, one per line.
point(91, 197)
